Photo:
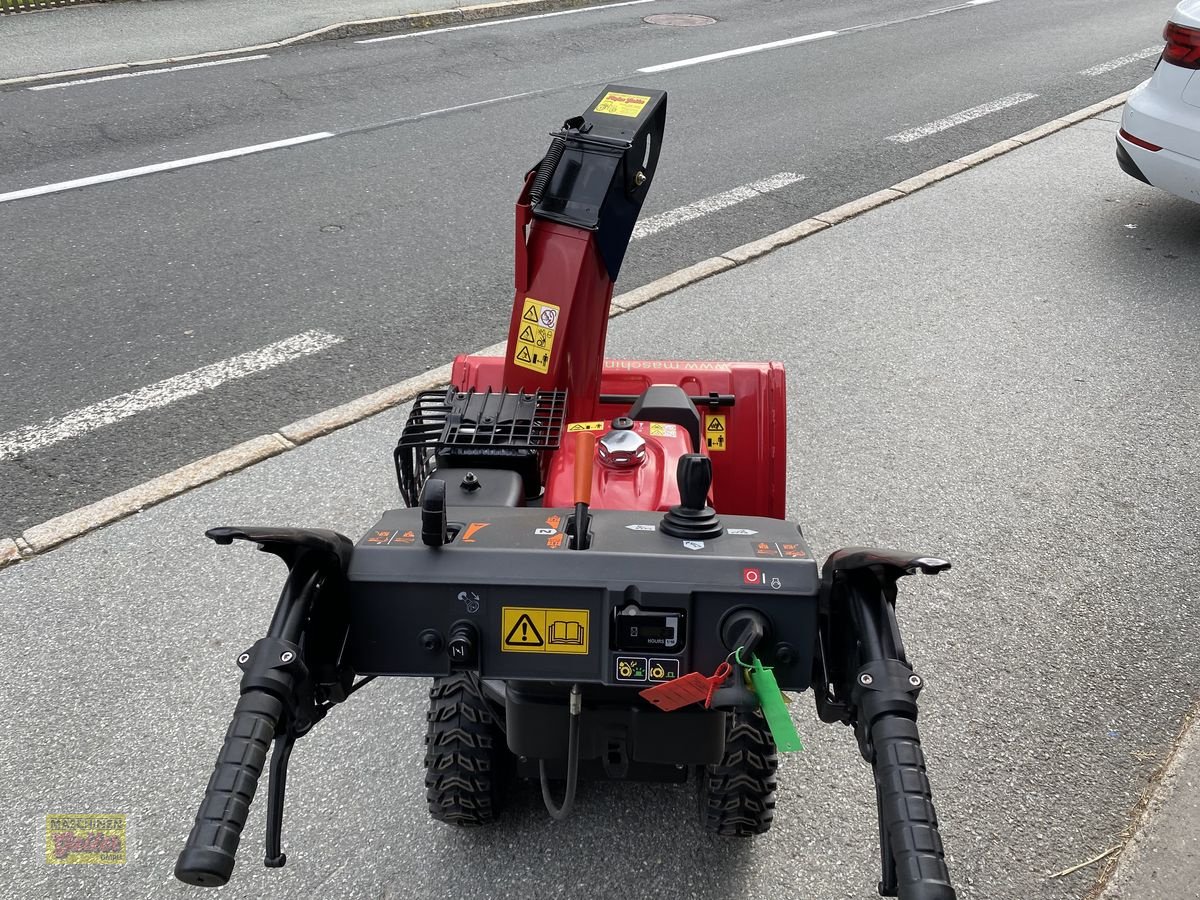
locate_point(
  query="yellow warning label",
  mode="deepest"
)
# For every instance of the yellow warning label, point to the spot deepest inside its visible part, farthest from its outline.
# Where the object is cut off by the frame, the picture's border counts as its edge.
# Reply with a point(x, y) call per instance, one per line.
point(531, 630)
point(662, 429)
point(617, 104)
point(715, 435)
point(535, 341)
point(585, 426)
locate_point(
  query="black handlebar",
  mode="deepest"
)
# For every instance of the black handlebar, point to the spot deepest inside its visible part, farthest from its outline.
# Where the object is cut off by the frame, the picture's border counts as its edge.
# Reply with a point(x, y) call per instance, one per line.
point(207, 858)
point(909, 825)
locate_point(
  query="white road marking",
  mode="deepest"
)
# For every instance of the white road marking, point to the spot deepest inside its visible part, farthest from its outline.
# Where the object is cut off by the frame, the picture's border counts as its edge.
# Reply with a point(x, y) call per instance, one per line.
point(671, 218)
point(740, 51)
point(1123, 61)
point(967, 5)
point(160, 167)
point(493, 22)
point(975, 112)
point(476, 103)
point(203, 65)
point(34, 437)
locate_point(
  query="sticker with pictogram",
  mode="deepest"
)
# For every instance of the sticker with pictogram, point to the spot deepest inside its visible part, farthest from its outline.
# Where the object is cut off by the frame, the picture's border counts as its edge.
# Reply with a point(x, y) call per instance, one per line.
point(663, 669)
point(573, 427)
point(759, 578)
point(534, 630)
point(618, 103)
point(468, 536)
point(535, 340)
point(716, 436)
point(631, 668)
point(662, 429)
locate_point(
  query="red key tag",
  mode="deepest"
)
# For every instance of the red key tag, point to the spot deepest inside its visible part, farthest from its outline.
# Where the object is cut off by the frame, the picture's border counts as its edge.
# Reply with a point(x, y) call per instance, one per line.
point(724, 670)
point(678, 692)
point(686, 690)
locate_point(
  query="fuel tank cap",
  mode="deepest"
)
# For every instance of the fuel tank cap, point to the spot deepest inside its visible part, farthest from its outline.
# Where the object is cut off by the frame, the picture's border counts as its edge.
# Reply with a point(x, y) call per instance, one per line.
point(622, 449)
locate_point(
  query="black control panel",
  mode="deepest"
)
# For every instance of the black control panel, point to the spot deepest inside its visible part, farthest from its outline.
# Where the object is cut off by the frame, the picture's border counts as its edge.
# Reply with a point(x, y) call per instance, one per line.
point(509, 598)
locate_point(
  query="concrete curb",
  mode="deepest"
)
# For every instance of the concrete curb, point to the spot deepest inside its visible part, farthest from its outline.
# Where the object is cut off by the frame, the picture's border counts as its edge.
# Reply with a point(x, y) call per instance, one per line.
point(438, 18)
point(104, 512)
point(1161, 787)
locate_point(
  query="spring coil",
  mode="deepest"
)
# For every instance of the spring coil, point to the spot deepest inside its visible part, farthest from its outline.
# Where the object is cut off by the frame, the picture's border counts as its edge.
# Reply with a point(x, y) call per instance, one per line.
point(545, 169)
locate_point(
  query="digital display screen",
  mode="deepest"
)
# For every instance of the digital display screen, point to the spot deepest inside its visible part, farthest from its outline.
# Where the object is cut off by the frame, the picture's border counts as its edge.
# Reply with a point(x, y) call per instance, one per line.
point(650, 630)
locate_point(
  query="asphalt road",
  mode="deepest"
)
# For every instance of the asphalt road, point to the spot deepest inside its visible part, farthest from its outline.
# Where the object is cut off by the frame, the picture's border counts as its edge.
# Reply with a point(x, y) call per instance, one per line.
point(392, 238)
point(1022, 401)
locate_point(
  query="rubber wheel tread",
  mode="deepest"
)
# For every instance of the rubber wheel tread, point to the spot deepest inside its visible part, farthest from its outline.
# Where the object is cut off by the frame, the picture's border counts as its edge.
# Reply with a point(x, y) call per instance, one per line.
point(465, 754)
point(737, 797)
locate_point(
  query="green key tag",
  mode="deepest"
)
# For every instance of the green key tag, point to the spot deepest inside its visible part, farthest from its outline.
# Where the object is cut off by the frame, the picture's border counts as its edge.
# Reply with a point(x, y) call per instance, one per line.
point(775, 711)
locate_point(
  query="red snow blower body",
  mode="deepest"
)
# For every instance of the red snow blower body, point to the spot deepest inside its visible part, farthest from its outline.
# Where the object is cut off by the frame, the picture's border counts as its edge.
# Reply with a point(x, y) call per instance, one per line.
point(593, 565)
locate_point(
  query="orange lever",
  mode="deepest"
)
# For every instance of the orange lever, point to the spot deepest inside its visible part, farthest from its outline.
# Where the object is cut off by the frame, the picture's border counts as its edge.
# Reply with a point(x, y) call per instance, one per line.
point(585, 453)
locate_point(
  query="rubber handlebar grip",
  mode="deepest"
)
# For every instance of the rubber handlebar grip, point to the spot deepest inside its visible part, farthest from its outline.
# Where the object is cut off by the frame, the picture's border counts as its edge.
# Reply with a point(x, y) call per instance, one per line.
point(907, 811)
point(585, 454)
point(207, 857)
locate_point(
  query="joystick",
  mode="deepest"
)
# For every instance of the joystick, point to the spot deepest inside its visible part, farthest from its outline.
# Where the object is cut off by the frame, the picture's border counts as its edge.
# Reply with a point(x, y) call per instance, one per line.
point(693, 517)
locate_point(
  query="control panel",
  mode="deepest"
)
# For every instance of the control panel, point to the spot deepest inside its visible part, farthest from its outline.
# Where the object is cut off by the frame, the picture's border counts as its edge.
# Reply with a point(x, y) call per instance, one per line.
point(507, 596)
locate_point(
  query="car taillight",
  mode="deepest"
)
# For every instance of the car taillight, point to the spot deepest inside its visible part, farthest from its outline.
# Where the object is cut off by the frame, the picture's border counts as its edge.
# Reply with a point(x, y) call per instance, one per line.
point(1183, 46)
point(1153, 148)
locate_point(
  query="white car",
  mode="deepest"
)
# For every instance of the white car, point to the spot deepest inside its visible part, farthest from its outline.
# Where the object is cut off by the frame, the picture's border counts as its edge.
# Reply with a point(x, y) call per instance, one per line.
point(1159, 141)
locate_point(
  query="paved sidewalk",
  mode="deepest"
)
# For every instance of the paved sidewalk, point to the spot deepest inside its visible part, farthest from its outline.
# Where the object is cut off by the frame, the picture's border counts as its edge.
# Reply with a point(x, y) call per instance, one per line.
point(57, 40)
point(999, 368)
point(1163, 860)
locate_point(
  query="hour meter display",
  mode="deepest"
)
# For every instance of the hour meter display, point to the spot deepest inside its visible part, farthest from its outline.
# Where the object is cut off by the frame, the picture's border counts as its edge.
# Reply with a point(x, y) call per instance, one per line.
point(650, 630)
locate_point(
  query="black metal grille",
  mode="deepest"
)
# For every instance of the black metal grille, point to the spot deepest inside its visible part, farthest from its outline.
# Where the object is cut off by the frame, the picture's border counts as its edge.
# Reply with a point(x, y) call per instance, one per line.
point(488, 429)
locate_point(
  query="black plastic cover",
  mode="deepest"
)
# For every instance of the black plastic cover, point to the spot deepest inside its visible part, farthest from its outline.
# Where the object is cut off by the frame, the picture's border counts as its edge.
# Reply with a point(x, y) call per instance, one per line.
point(605, 171)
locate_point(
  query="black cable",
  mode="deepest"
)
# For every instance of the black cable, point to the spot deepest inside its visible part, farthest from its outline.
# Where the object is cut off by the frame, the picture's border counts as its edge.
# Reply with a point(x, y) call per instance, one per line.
point(558, 813)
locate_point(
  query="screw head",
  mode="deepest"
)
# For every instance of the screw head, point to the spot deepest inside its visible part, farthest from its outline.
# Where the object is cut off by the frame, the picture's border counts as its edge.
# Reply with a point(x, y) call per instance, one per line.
point(287, 656)
point(914, 680)
point(243, 659)
point(865, 678)
point(639, 178)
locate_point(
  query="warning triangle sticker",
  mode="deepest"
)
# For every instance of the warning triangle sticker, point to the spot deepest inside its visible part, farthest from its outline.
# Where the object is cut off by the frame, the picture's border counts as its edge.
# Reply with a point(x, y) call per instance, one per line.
point(527, 334)
point(530, 313)
point(715, 425)
point(523, 354)
point(524, 633)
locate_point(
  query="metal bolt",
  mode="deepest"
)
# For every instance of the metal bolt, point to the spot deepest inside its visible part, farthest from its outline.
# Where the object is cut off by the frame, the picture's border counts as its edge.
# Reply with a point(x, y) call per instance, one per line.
point(243, 659)
point(287, 656)
point(914, 680)
point(639, 179)
point(865, 678)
